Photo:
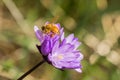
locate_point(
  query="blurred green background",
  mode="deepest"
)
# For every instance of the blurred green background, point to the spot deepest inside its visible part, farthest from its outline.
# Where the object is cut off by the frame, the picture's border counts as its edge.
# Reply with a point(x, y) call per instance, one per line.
point(95, 22)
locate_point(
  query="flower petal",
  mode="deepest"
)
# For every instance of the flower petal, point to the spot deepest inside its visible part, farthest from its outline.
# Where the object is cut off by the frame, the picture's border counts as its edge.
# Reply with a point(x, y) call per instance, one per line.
point(65, 48)
point(58, 25)
point(70, 65)
point(79, 70)
point(46, 47)
point(39, 34)
point(76, 44)
point(62, 36)
point(55, 47)
point(70, 38)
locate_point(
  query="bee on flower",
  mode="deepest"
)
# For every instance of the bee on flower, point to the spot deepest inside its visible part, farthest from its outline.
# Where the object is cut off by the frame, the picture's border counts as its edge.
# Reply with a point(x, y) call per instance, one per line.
point(50, 28)
point(47, 36)
point(60, 51)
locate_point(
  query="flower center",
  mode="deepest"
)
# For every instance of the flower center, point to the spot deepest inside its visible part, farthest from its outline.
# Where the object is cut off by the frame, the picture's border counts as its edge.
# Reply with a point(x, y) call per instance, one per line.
point(59, 57)
point(50, 29)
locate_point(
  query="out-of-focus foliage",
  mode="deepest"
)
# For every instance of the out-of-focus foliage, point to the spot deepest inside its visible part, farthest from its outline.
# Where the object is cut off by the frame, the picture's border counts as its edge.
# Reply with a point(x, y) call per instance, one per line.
point(95, 22)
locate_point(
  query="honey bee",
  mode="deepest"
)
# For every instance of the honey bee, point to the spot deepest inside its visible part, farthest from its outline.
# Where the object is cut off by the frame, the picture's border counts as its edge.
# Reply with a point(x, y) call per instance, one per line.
point(50, 28)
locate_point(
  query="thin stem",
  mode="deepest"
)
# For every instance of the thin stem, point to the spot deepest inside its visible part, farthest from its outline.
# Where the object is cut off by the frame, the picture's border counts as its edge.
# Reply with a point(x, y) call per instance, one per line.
point(32, 69)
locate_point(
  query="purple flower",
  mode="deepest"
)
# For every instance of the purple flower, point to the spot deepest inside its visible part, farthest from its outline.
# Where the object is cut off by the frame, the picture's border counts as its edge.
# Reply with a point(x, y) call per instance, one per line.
point(48, 36)
point(57, 50)
point(65, 55)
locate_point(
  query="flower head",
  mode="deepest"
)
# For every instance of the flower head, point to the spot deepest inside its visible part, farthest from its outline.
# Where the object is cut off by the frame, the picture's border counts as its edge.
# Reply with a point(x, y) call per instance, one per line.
point(65, 55)
point(48, 35)
point(58, 50)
